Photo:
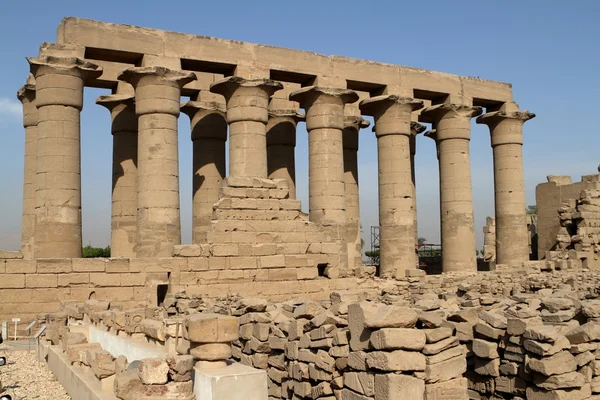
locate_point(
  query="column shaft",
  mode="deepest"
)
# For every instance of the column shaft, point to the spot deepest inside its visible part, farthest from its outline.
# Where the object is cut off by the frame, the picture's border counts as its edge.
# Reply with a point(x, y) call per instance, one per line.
point(506, 129)
point(415, 129)
point(247, 115)
point(209, 134)
point(157, 94)
point(453, 131)
point(30, 120)
point(123, 233)
point(352, 127)
point(397, 244)
point(281, 146)
point(324, 123)
point(59, 99)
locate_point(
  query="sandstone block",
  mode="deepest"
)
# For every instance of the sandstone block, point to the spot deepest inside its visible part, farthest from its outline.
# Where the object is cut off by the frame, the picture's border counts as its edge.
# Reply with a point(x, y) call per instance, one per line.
point(558, 363)
point(101, 362)
point(535, 393)
point(398, 338)
point(398, 360)
point(484, 349)
point(360, 382)
point(392, 386)
point(562, 381)
point(546, 349)
point(154, 329)
point(588, 332)
point(153, 371)
point(544, 333)
point(487, 367)
point(455, 389)
point(437, 334)
point(435, 348)
point(211, 328)
point(446, 370)
point(211, 351)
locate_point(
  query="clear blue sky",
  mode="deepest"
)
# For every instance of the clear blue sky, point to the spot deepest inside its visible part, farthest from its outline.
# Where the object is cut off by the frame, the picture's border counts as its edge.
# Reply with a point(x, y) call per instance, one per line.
point(548, 50)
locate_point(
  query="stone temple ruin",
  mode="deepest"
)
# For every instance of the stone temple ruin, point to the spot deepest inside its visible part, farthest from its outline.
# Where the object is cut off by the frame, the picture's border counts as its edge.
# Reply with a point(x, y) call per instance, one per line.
point(268, 302)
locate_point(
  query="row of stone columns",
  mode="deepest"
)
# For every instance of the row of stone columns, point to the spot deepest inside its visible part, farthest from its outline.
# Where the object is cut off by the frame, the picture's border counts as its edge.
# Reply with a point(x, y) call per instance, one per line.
point(145, 202)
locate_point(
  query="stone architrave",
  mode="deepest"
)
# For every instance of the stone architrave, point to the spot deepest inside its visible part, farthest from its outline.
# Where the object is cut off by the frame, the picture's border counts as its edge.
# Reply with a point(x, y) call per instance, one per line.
point(397, 244)
point(325, 122)
point(209, 134)
point(281, 146)
point(157, 103)
point(506, 130)
point(59, 98)
point(247, 115)
point(452, 124)
point(352, 126)
point(30, 121)
point(415, 129)
point(123, 232)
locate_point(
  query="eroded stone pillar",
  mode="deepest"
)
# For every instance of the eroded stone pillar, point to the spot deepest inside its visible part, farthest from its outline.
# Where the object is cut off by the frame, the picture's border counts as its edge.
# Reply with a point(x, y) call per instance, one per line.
point(209, 134)
point(324, 123)
point(157, 95)
point(352, 126)
point(392, 115)
point(506, 129)
point(30, 121)
point(247, 116)
point(124, 129)
point(415, 129)
point(281, 146)
point(59, 99)
point(453, 131)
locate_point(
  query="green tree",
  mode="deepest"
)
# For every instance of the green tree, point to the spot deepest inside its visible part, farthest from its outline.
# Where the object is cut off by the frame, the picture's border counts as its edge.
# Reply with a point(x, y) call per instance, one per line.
point(531, 209)
point(95, 252)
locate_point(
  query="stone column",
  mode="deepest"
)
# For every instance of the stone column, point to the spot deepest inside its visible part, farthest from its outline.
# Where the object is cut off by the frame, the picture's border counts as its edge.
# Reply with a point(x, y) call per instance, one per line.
point(30, 121)
point(415, 129)
point(247, 116)
point(281, 146)
point(59, 99)
point(209, 134)
point(352, 125)
point(324, 123)
point(123, 222)
point(453, 132)
point(506, 129)
point(157, 96)
point(392, 115)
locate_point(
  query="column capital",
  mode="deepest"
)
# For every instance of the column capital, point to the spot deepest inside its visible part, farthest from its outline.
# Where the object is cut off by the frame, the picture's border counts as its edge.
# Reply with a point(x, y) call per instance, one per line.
point(70, 66)
point(207, 119)
point(324, 106)
point(122, 112)
point(157, 89)
point(26, 96)
point(434, 114)
point(378, 105)
point(295, 115)
point(392, 113)
point(313, 94)
point(227, 87)
point(416, 128)
point(355, 122)
point(352, 126)
point(506, 127)
point(60, 80)
point(137, 76)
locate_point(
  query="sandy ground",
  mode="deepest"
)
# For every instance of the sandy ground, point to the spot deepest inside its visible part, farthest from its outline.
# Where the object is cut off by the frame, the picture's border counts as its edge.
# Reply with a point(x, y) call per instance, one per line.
point(25, 378)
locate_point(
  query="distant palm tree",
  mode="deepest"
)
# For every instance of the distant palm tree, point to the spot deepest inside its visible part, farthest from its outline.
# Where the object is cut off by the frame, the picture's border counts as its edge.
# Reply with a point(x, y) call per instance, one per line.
point(421, 241)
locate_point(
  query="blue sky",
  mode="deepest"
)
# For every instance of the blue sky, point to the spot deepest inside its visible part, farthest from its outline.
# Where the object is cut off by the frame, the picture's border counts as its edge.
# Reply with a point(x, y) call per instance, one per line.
point(549, 51)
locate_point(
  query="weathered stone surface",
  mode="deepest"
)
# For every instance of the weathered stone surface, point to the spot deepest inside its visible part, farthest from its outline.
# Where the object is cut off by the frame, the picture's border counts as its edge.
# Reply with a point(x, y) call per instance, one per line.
point(561, 381)
point(153, 371)
point(211, 351)
point(180, 367)
point(455, 389)
point(435, 348)
point(485, 349)
point(126, 385)
point(211, 328)
point(535, 393)
point(437, 334)
point(591, 308)
point(588, 332)
point(558, 363)
point(360, 382)
point(545, 333)
point(488, 367)
point(493, 319)
point(154, 329)
point(398, 360)
point(517, 326)
point(398, 338)
point(101, 362)
point(446, 370)
point(393, 386)
point(546, 349)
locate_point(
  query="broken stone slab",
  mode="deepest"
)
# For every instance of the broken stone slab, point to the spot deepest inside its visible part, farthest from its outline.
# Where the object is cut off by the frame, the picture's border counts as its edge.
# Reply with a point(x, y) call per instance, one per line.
point(360, 382)
point(437, 334)
point(488, 331)
point(398, 338)
point(583, 393)
point(153, 371)
point(171, 390)
point(591, 308)
point(518, 326)
point(485, 349)
point(180, 367)
point(493, 319)
point(488, 367)
point(446, 370)
point(446, 355)
point(72, 338)
point(556, 364)
point(456, 389)
point(398, 360)
point(126, 385)
point(378, 315)
point(556, 304)
point(543, 333)
point(587, 332)
point(562, 381)
point(154, 329)
point(393, 386)
point(435, 348)
point(101, 362)
point(76, 352)
point(546, 349)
